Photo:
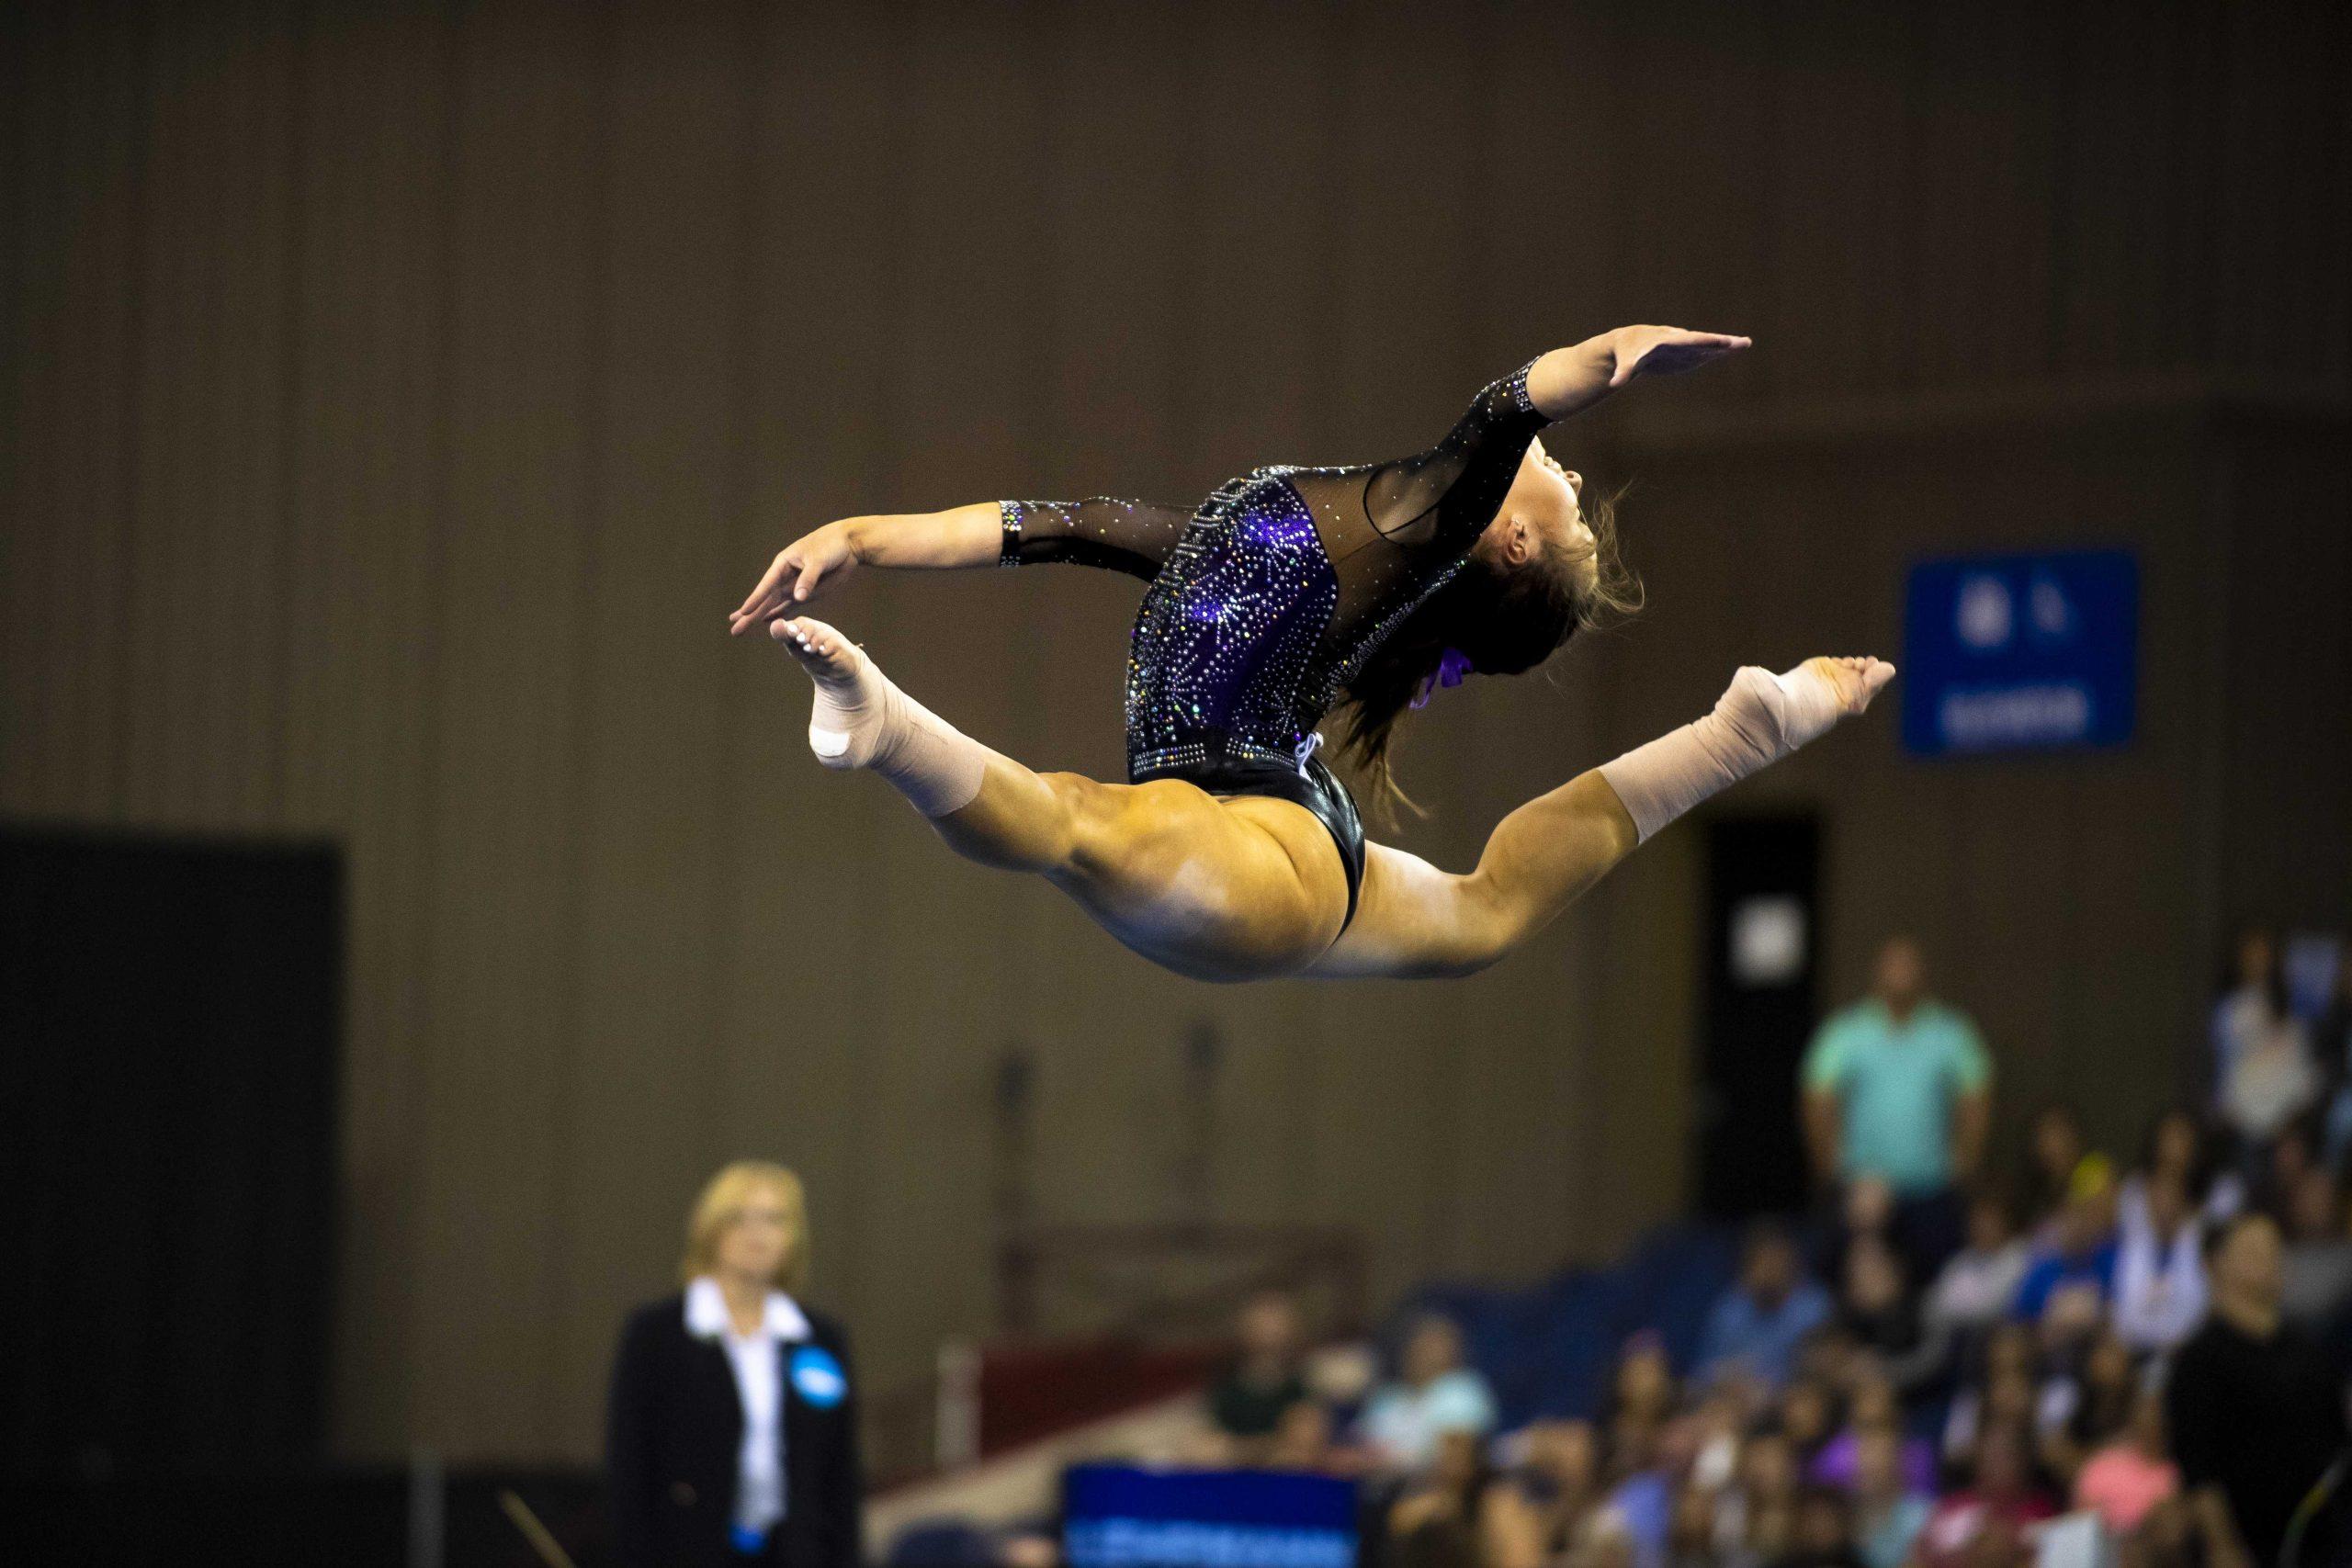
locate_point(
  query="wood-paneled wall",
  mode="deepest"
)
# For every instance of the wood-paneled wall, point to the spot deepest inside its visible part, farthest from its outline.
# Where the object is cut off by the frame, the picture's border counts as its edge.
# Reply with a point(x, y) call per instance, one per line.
point(395, 397)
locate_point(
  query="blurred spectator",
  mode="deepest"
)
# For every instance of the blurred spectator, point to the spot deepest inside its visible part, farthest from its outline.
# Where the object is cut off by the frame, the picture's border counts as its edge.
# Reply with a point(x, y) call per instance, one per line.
point(1303, 1440)
point(2082, 1409)
point(1973, 1291)
point(2003, 1391)
point(1531, 1515)
point(2278, 1169)
point(2262, 1066)
point(1824, 1531)
point(2054, 1147)
point(2130, 1476)
point(1866, 1207)
point(1755, 1518)
point(1642, 1387)
point(1644, 1455)
point(1434, 1394)
point(1808, 1418)
point(2254, 1411)
point(1690, 1536)
point(1716, 1426)
point(1030, 1548)
point(2315, 1287)
point(2070, 1278)
point(2165, 1540)
point(1874, 1411)
point(2179, 1147)
point(2159, 1268)
point(1604, 1542)
point(1874, 1307)
point(1827, 1356)
point(1756, 1325)
point(1264, 1378)
point(1987, 1521)
point(1342, 1376)
point(1433, 1523)
point(1891, 1506)
point(1898, 1086)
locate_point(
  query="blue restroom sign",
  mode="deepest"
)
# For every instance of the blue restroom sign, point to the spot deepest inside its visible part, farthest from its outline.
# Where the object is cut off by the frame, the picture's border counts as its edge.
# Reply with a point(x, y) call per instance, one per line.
point(2020, 653)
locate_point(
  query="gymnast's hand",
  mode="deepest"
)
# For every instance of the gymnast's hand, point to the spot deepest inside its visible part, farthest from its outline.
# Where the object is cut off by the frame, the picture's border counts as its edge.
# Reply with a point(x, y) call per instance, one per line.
point(1665, 351)
point(815, 560)
point(1569, 380)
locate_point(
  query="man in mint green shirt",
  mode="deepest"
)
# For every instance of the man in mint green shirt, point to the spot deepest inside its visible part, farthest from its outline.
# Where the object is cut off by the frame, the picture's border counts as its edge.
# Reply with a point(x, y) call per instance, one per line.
point(1898, 1086)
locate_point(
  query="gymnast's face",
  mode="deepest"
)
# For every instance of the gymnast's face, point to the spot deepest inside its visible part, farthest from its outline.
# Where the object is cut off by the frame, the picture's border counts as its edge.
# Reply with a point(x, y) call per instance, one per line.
point(1543, 507)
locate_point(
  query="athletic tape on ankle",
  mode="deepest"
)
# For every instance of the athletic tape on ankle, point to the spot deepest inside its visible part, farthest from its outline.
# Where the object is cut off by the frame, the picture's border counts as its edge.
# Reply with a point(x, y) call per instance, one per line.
point(937, 766)
point(1760, 718)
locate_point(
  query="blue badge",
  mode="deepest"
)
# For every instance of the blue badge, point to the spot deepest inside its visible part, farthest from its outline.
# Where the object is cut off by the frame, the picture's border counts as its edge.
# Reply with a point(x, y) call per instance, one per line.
point(818, 1377)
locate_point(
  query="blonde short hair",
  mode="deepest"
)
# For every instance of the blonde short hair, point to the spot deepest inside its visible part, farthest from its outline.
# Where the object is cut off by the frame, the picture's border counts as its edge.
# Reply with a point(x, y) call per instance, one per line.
point(724, 1197)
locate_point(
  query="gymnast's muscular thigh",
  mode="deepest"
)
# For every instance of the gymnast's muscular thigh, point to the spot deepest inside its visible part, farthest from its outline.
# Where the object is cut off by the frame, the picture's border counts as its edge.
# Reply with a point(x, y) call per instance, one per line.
point(1243, 888)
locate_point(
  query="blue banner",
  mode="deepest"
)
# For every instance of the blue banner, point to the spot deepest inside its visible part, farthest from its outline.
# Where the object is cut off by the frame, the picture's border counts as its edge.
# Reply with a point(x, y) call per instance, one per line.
point(1119, 1516)
point(2020, 653)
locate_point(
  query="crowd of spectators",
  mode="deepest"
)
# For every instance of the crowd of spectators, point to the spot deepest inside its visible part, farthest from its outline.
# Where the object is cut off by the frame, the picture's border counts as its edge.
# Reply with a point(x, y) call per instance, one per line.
point(2147, 1347)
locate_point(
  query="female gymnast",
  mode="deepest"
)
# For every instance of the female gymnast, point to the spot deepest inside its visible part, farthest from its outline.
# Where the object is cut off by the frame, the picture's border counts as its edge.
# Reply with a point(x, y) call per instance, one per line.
point(1232, 853)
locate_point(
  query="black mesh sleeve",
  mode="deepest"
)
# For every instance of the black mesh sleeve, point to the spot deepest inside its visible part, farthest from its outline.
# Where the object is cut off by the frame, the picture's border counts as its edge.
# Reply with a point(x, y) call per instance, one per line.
point(1133, 537)
point(1446, 496)
point(1391, 529)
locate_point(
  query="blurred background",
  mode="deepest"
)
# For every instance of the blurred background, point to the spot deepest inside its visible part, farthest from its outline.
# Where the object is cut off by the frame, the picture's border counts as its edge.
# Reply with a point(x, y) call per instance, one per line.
point(413, 895)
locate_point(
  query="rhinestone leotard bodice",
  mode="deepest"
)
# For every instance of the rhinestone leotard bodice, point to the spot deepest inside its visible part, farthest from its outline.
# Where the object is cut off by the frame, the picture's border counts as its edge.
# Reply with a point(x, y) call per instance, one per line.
point(1267, 598)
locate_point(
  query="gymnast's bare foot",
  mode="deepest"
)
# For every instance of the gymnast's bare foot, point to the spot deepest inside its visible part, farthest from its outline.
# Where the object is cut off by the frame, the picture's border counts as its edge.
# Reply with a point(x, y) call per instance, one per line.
point(862, 720)
point(1782, 712)
point(1854, 680)
point(852, 709)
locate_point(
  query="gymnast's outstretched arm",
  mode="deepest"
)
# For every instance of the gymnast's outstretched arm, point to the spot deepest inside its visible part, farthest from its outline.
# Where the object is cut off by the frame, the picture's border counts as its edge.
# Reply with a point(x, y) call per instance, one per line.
point(1424, 511)
point(937, 541)
point(1461, 479)
point(1133, 537)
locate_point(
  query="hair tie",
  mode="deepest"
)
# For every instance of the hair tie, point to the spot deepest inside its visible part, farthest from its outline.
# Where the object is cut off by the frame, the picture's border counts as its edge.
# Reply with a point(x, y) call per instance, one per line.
point(1450, 670)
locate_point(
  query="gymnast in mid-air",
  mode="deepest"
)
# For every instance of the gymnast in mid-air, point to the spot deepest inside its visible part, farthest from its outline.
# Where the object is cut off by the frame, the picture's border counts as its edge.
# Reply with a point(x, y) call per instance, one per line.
point(1232, 853)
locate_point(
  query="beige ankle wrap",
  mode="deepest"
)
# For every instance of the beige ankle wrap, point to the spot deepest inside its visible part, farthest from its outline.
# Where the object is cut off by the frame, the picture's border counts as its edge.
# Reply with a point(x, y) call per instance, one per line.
point(1760, 718)
point(867, 722)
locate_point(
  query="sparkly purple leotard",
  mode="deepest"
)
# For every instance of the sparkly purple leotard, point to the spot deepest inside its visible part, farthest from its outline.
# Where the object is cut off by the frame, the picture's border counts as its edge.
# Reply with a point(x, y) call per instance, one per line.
point(1267, 598)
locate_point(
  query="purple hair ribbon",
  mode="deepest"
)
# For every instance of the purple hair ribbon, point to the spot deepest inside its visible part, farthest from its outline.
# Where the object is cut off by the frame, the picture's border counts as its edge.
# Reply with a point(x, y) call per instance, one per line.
point(1450, 671)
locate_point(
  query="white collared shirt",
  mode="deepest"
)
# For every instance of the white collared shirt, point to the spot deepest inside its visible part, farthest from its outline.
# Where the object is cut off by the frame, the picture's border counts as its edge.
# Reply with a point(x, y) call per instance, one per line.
point(758, 1485)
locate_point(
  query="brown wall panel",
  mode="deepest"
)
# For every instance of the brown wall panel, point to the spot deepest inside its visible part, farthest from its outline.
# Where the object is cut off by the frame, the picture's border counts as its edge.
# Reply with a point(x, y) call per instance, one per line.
point(531, 329)
point(369, 448)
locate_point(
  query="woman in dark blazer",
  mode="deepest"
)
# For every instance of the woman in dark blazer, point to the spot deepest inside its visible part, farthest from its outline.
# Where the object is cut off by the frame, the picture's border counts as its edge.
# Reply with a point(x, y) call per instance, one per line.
point(731, 1435)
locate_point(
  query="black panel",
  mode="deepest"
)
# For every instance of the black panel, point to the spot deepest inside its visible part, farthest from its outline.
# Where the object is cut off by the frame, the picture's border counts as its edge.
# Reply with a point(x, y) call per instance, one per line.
point(169, 1013)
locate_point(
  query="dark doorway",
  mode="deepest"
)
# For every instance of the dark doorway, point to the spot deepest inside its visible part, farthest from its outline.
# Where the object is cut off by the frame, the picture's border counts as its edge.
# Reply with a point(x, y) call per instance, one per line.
point(1763, 936)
